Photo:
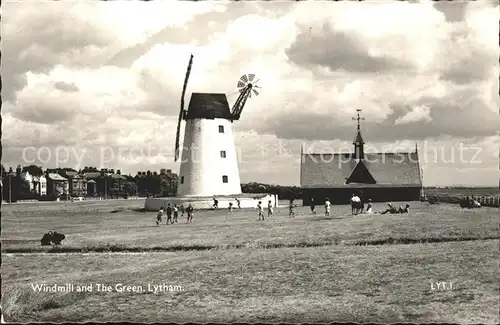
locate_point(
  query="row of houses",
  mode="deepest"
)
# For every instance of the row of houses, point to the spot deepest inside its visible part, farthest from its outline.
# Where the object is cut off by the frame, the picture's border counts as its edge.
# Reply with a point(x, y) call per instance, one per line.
point(89, 182)
point(72, 184)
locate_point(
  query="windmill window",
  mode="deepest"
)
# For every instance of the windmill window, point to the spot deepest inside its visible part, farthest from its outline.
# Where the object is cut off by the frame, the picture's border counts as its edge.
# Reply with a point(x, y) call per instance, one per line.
point(223, 154)
point(224, 179)
point(221, 128)
point(182, 179)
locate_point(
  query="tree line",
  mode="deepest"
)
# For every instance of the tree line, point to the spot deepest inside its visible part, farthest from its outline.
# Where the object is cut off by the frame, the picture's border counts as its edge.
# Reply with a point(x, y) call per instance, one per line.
point(283, 192)
point(144, 184)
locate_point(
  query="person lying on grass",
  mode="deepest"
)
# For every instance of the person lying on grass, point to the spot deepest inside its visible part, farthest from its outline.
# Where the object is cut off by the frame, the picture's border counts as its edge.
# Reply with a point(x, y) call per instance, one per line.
point(391, 209)
point(406, 209)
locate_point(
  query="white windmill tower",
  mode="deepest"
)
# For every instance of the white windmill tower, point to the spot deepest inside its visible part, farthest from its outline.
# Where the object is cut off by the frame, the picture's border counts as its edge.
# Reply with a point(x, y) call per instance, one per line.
point(209, 164)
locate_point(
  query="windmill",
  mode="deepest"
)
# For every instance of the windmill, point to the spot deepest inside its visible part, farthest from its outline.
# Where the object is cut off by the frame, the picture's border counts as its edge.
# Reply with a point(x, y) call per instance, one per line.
point(209, 163)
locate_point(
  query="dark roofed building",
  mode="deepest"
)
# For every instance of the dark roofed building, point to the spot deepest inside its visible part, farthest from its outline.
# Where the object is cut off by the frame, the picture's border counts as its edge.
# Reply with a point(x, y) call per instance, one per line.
point(57, 185)
point(381, 177)
point(208, 106)
point(77, 184)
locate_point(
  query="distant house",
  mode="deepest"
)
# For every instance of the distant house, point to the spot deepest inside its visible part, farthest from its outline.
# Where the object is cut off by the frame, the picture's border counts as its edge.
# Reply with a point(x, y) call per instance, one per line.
point(105, 183)
point(116, 183)
point(77, 184)
point(91, 188)
point(40, 185)
point(57, 185)
point(91, 179)
point(381, 177)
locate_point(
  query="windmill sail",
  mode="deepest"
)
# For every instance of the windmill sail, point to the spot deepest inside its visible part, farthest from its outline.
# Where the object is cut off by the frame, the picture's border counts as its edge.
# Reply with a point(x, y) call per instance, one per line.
point(181, 113)
point(245, 87)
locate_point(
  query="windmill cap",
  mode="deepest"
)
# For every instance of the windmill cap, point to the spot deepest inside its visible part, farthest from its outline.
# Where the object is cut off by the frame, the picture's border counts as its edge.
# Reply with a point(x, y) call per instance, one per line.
point(208, 106)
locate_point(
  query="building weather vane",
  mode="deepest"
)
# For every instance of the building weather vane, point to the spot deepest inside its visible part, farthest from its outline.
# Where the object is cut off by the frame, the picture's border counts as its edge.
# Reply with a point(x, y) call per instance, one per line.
point(358, 118)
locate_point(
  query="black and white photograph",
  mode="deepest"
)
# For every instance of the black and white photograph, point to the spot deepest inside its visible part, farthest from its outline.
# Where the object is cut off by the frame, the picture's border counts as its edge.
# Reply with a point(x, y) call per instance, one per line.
point(250, 161)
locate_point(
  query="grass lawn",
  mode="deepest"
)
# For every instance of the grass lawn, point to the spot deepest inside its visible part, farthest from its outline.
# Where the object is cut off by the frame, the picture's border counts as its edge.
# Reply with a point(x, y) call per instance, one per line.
point(233, 268)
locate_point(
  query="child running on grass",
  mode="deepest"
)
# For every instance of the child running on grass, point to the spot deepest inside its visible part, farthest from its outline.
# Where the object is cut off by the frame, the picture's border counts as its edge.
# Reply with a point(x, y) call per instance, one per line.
point(159, 216)
point(169, 214)
point(269, 209)
point(176, 213)
point(189, 211)
point(327, 207)
point(291, 212)
point(313, 206)
point(261, 211)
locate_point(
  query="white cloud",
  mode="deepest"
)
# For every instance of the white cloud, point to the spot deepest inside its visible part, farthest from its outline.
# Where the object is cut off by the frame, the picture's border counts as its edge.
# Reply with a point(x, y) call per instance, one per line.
point(417, 114)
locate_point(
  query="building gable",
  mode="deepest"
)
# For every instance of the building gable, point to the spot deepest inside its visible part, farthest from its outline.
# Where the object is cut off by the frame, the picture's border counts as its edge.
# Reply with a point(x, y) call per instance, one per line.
point(56, 177)
point(361, 175)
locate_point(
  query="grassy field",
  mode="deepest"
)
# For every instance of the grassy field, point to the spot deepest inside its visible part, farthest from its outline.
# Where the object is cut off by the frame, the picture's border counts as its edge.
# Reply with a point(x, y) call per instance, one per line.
point(233, 268)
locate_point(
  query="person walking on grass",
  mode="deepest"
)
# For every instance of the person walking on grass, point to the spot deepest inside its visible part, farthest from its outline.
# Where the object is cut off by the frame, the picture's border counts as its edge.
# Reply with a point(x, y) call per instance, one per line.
point(159, 216)
point(181, 209)
point(369, 207)
point(327, 208)
point(189, 211)
point(291, 212)
point(238, 203)
point(269, 209)
point(312, 206)
point(230, 208)
point(176, 213)
point(261, 211)
point(216, 204)
point(169, 214)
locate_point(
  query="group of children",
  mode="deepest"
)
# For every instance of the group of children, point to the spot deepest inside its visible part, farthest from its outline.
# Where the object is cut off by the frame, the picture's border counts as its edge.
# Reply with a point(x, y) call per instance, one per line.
point(173, 213)
point(215, 206)
point(260, 208)
point(328, 205)
point(291, 209)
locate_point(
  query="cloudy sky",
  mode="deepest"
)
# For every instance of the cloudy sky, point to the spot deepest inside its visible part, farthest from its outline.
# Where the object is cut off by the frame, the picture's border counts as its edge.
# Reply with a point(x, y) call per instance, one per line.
point(98, 84)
